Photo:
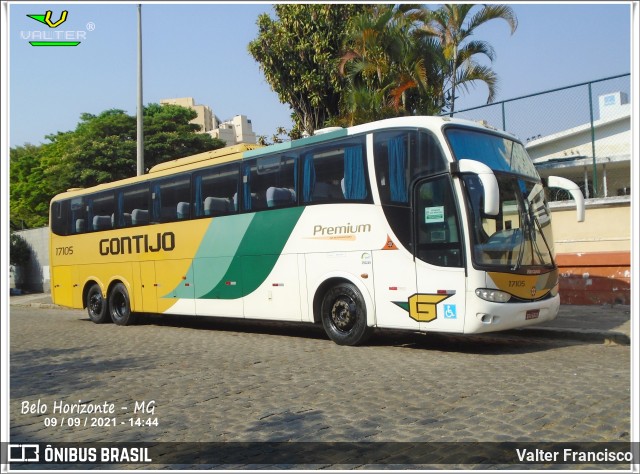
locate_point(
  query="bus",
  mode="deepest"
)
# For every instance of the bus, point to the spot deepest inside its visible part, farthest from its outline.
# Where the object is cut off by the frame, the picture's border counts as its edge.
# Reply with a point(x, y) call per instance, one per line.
point(413, 223)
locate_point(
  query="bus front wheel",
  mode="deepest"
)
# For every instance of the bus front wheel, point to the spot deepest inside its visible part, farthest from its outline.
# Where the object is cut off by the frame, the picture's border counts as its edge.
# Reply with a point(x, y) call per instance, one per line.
point(120, 306)
point(97, 306)
point(344, 315)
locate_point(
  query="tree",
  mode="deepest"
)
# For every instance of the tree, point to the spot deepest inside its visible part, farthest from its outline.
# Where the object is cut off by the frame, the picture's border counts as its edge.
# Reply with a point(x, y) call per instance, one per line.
point(451, 26)
point(297, 53)
point(168, 134)
point(367, 63)
point(19, 251)
point(29, 189)
point(101, 149)
point(389, 65)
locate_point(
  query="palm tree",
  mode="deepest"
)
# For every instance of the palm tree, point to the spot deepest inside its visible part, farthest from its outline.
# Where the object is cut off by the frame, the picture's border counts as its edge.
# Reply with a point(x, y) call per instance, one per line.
point(451, 26)
point(366, 64)
point(386, 64)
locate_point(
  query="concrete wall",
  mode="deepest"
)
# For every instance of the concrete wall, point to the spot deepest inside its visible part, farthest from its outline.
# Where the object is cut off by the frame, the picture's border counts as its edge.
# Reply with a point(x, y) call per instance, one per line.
point(606, 227)
point(594, 256)
point(35, 276)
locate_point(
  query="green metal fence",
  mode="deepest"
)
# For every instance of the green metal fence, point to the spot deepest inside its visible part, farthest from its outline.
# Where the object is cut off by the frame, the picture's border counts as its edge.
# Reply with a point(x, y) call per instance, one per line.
point(581, 132)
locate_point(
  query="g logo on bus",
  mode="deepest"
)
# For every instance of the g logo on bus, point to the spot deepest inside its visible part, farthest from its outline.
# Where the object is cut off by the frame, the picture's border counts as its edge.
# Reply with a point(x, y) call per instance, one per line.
point(423, 307)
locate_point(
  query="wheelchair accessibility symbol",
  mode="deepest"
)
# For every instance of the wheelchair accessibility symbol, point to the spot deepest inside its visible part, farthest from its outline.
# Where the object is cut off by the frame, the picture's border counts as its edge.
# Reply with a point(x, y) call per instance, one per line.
point(450, 311)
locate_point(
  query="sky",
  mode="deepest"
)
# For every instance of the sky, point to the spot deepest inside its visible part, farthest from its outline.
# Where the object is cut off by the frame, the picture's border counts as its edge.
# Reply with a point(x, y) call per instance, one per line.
point(199, 50)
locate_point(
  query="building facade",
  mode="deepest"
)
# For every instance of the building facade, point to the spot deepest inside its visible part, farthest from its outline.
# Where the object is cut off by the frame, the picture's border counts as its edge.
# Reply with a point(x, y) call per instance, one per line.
point(594, 256)
point(233, 132)
point(598, 157)
point(205, 115)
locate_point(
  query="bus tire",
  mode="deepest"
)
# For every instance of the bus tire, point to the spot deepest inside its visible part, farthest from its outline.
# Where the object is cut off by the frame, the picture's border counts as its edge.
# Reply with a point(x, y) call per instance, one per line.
point(344, 315)
point(97, 305)
point(120, 306)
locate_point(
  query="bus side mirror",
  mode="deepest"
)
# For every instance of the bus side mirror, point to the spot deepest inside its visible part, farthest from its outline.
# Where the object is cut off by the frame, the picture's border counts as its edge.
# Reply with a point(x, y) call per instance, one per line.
point(489, 183)
point(573, 189)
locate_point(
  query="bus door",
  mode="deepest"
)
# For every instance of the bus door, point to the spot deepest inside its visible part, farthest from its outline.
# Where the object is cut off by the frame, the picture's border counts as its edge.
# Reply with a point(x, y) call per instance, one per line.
point(439, 303)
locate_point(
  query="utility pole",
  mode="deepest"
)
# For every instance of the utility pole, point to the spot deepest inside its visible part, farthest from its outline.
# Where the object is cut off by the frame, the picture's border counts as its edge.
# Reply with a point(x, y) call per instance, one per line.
point(140, 133)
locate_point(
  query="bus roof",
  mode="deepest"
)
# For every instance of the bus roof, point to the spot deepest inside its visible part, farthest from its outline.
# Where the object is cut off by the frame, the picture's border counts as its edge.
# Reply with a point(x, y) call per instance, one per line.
point(221, 155)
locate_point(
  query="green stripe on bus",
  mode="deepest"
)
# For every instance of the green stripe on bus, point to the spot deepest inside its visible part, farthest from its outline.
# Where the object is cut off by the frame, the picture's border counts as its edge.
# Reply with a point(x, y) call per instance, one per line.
point(259, 251)
point(242, 249)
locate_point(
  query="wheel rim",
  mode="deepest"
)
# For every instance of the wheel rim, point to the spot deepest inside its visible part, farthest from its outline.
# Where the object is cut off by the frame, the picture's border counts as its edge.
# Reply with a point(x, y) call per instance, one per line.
point(119, 306)
point(95, 303)
point(344, 313)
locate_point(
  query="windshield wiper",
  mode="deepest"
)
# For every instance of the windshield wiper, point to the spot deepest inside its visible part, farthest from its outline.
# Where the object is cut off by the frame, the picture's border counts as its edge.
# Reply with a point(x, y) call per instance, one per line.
point(544, 239)
point(530, 222)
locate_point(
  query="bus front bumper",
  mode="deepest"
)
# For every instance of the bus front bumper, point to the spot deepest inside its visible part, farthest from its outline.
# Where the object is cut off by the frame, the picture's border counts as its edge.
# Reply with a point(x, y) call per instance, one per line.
point(489, 317)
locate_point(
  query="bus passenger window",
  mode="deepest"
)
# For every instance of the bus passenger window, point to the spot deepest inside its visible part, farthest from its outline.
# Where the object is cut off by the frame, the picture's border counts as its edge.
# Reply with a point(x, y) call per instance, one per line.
point(269, 182)
point(102, 211)
point(393, 153)
point(78, 216)
point(322, 173)
point(335, 173)
point(60, 218)
point(130, 199)
point(214, 191)
point(167, 195)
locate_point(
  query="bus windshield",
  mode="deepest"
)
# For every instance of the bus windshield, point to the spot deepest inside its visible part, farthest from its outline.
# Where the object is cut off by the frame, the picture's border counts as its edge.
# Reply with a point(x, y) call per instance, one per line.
point(497, 152)
point(519, 236)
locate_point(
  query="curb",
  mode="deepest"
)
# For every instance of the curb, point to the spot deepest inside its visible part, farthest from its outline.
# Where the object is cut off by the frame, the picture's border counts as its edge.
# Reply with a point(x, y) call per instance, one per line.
point(587, 335)
point(38, 305)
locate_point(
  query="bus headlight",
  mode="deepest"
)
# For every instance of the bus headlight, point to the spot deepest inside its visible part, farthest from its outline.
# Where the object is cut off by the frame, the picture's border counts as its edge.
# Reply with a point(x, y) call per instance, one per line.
point(495, 296)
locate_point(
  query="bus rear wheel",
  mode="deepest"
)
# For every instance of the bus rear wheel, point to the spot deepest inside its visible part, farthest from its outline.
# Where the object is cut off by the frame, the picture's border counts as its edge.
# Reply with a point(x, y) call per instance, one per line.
point(344, 315)
point(97, 306)
point(120, 306)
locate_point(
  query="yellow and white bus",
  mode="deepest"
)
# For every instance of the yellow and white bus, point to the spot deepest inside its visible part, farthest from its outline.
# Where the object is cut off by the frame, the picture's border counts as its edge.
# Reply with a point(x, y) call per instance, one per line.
point(416, 223)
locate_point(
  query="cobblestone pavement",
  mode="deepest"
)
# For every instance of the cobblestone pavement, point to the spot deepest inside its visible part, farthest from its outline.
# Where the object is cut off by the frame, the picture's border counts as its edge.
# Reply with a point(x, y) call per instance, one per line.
point(237, 381)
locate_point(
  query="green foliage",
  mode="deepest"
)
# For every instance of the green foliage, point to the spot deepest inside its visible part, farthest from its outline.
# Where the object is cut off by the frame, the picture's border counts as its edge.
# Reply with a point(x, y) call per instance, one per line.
point(169, 135)
point(19, 251)
point(101, 149)
point(281, 135)
point(298, 55)
point(387, 65)
point(29, 188)
point(452, 26)
point(345, 64)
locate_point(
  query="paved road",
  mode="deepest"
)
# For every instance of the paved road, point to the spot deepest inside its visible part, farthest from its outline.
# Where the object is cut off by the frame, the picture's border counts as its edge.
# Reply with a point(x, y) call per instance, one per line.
point(226, 381)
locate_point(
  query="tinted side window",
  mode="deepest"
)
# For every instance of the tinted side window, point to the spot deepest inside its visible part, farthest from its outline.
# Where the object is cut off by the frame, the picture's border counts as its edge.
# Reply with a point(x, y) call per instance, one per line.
point(60, 218)
point(392, 151)
point(101, 211)
point(171, 199)
point(79, 217)
point(402, 156)
point(133, 205)
point(216, 191)
point(335, 173)
point(430, 159)
point(269, 182)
